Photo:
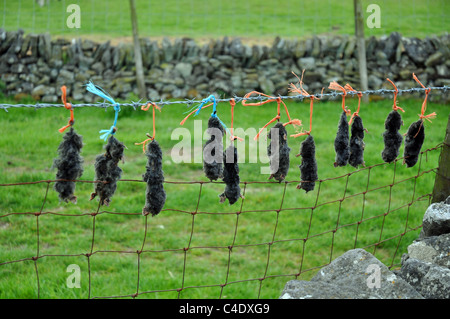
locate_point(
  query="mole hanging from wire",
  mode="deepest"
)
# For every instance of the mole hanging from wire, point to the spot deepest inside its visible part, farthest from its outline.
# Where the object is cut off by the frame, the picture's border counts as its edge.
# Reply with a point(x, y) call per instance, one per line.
point(155, 195)
point(278, 149)
point(232, 191)
point(391, 136)
point(107, 171)
point(415, 135)
point(308, 166)
point(213, 148)
point(69, 163)
point(341, 142)
point(357, 144)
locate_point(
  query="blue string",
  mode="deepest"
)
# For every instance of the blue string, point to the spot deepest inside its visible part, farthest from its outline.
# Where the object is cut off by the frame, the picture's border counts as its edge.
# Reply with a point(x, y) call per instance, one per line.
point(214, 112)
point(91, 87)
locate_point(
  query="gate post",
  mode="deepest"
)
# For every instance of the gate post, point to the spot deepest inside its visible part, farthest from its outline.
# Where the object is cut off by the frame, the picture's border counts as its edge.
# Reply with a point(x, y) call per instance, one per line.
point(441, 188)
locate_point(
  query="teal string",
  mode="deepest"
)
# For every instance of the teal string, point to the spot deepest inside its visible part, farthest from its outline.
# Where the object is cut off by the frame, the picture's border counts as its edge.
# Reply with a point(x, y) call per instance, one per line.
point(91, 87)
point(214, 112)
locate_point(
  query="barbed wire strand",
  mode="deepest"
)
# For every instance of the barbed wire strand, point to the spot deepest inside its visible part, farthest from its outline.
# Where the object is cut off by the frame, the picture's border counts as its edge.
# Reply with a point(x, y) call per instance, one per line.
point(237, 99)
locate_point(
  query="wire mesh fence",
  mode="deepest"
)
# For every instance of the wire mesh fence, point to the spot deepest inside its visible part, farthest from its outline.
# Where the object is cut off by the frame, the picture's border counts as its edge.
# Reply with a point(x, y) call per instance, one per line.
point(199, 248)
point(219, 241)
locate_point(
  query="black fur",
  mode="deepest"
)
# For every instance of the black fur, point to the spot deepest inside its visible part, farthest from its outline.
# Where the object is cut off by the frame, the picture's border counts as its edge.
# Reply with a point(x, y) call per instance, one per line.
point(107, 171)
point(413, 143)
point(69, 165)
point(341, 142)
point(154, 176)
point(308, 167)
point(231, 176)
point(391, 136)
point(279, 160)
point(213, 169)
point(357, 143)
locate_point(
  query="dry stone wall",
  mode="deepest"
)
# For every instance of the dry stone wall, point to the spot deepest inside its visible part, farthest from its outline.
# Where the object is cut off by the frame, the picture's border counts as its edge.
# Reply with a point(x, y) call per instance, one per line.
point(37, 65)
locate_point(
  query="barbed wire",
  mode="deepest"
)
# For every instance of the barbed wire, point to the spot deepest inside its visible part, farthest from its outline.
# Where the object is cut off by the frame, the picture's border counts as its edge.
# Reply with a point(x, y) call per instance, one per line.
point(237, 99)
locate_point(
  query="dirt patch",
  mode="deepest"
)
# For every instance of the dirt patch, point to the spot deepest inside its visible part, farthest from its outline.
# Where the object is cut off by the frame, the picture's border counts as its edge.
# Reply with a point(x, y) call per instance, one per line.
point(115, 40)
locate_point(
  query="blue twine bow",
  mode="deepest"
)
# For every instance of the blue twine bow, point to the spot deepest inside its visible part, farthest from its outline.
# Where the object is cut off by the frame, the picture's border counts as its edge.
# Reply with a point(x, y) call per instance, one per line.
point(214, 112)
point(100, 92)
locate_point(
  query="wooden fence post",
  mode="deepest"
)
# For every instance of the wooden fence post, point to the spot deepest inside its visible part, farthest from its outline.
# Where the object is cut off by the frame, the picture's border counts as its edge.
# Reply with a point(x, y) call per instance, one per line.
point(441, 188)
point(137, 53)
point(361, 46)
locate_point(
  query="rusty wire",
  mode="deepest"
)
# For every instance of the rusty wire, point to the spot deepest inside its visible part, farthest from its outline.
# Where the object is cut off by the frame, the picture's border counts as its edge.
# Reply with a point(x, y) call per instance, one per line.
point(230, 247)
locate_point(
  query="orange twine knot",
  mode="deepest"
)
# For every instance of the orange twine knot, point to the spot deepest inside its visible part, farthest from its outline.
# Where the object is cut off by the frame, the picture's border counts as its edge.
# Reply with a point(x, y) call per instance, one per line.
point(395, 107)
point(335, 86)
point(422, 115)
point(150, 138)
point(349, 88)
point(303, 92)
point(271, 99)
point(67, 106)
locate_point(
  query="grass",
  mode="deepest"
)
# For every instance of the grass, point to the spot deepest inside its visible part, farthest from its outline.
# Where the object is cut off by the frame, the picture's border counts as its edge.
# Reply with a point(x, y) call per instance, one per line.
point(266, 244)
point(104, 19)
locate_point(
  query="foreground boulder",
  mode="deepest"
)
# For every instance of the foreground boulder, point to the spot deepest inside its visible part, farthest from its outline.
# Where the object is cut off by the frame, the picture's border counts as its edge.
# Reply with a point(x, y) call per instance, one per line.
point(436, 220)
point(426, 266)
point(356, 274)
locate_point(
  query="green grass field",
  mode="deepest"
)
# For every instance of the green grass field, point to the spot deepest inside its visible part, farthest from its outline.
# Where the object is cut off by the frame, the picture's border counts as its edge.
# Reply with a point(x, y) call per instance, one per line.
point(104, 19)
point(276, 234)
point(266, 244)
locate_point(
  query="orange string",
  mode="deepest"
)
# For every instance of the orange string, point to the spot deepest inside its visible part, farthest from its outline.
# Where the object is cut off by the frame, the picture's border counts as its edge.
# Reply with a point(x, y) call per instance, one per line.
point(150, 138)
point(311, 106)
point(268, 123)
point(303, 92)
point(233, 137)
point(335, 86)
point(349, 88)
point(271, 99)
point(424, 104)
point(67, 106)
point(203, 107)
point(395, 107)
point(246, 96)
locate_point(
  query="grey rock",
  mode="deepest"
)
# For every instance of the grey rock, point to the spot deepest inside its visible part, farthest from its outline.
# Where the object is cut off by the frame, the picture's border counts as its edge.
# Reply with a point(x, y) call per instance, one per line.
point(17, 68)
point(266, 85)
point(300, 289)
point(430, 280)
point(184, 68)
point(391, 44)
point(100, 50)
point(374, 82)
point(350, 276)
point(416, 50)
point(44, 46)
point(436, 220)
point(9, 77)
point(442, 70)
point(434, 249)
point(307, 63)
point(98, 67)
point(50, 99)
point(42, 90)
point(66, 75)
point(435, 59)
point(350, 49)
point(153, 95)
